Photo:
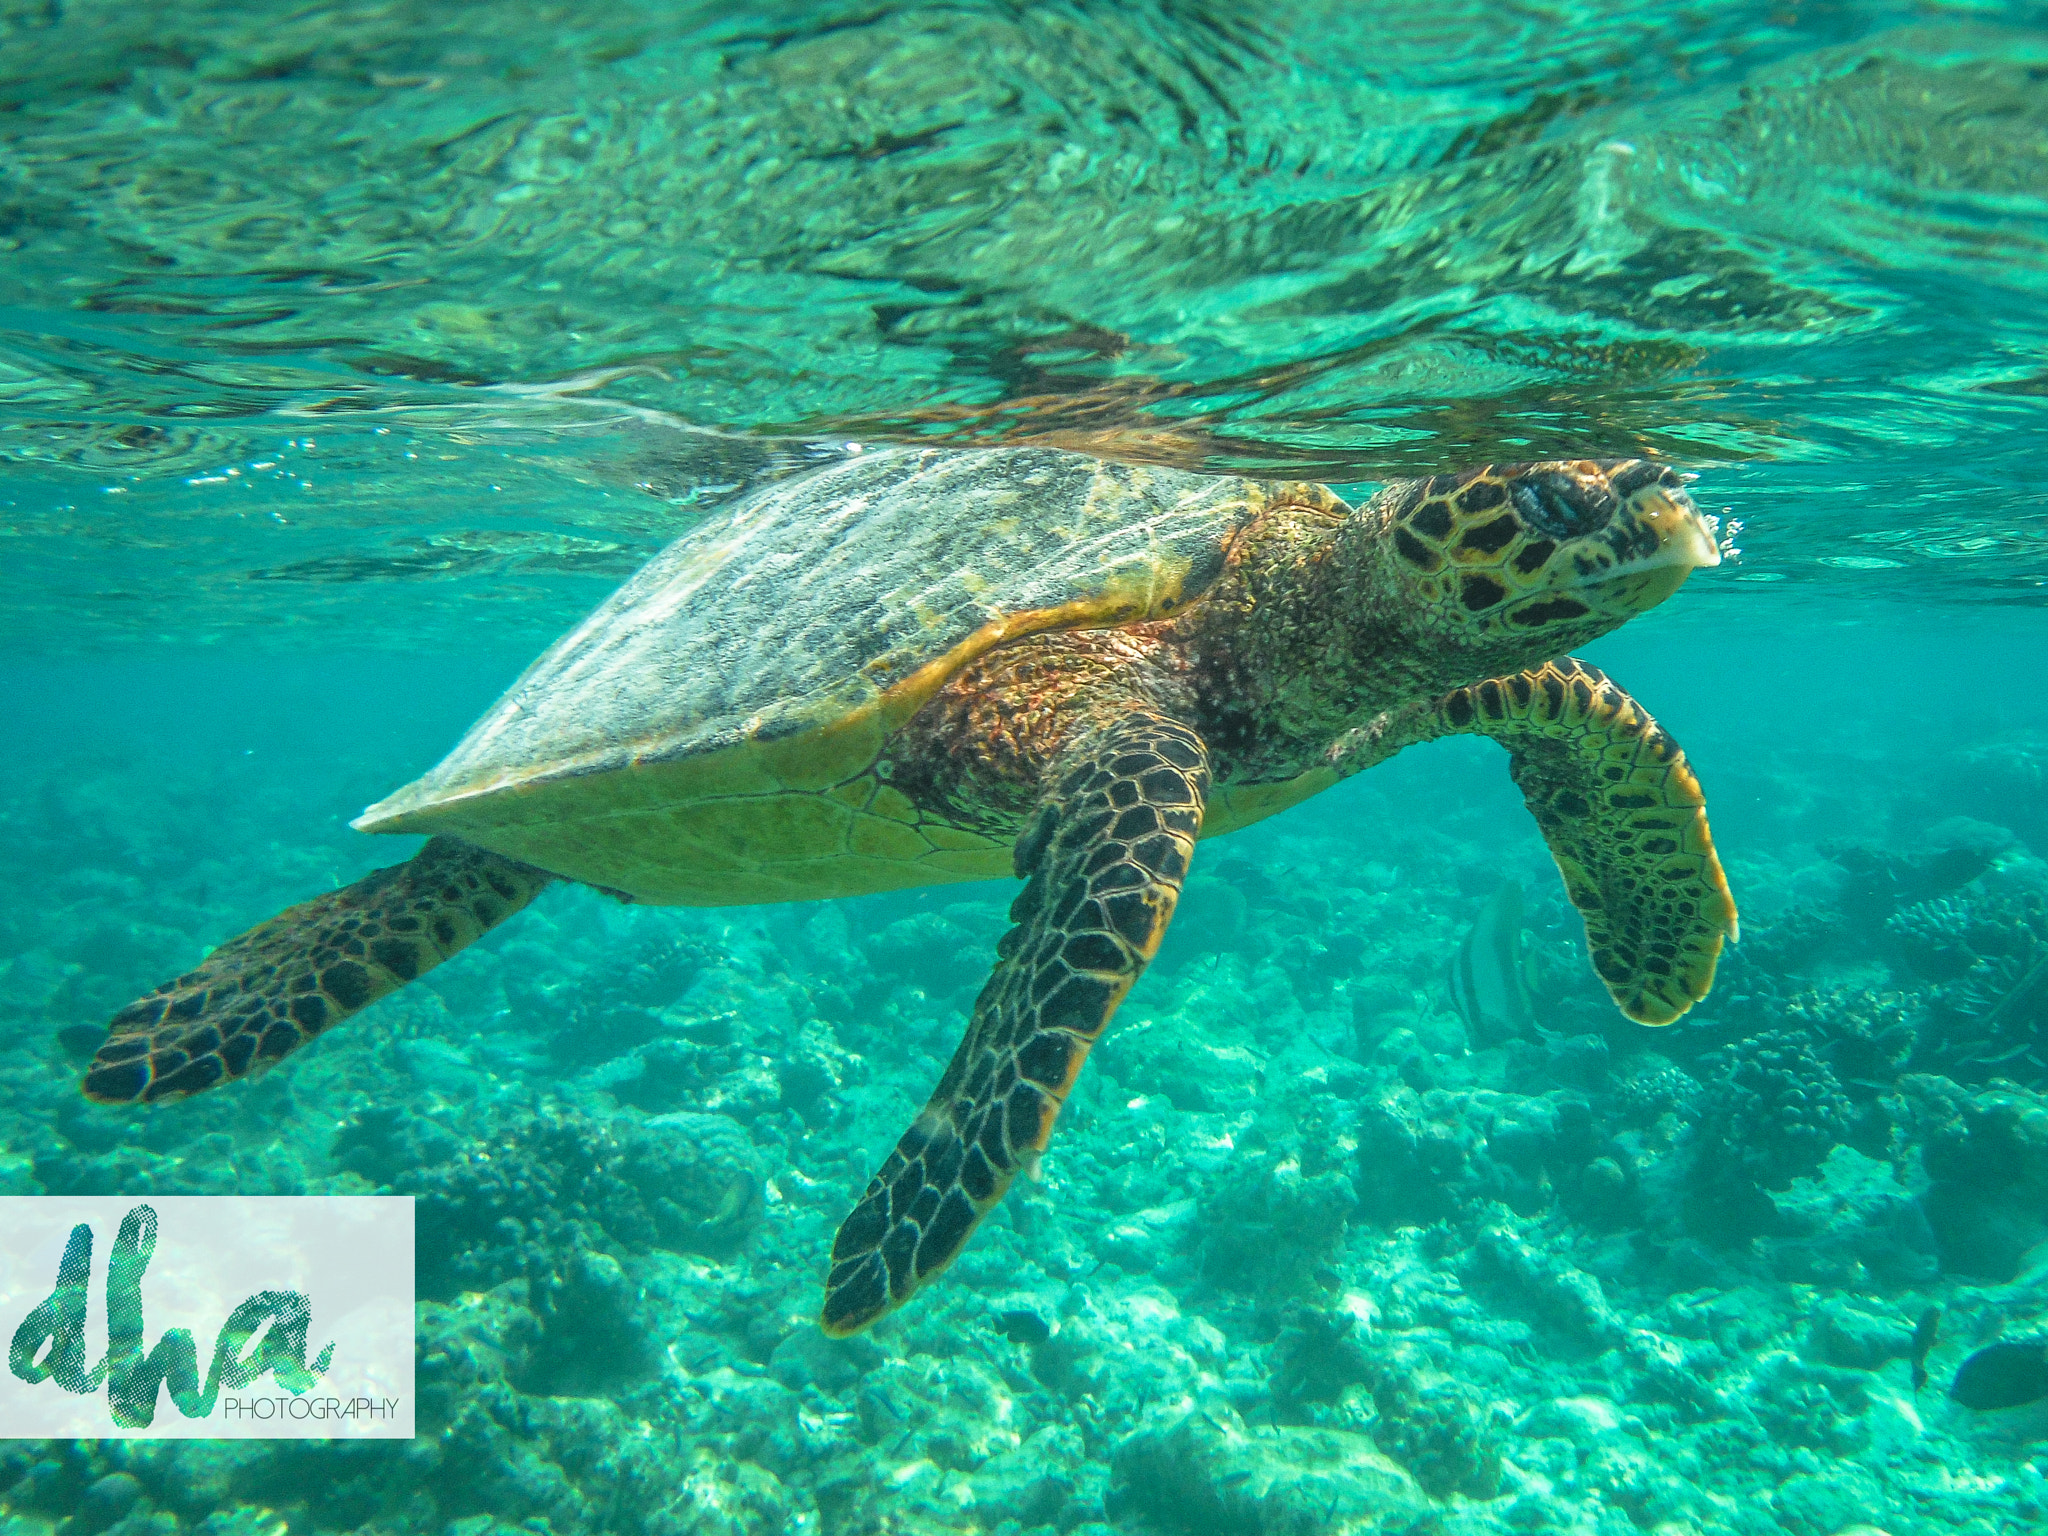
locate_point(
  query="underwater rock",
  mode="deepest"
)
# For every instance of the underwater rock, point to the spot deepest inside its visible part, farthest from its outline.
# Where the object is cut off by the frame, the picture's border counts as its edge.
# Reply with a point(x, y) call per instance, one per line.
point(1443, 1431)
point(1531, 1280)
point(1865, 1036)
point(1189, 1069)
point(1410, 1161)
point(1045, 1481)
point(1315, 1358)
point(1807, 1403)
point(699, 1177)
point(1846, 1336)
point(808, 1358)
point(518, 1189)
point(1653, 1086)
point(1272, 1218)
point(105, 1501)
point(1208, 1475)
point(1772, 1110)
point(1986, 1157)
point(1877, 882)
point(1140, 1242)
point(1852, 1222)
point(936, 952)
point(1822, 1503)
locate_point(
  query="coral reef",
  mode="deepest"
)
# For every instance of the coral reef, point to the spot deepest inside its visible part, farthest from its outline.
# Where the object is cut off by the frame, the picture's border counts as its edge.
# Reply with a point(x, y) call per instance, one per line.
point(1303, 1260)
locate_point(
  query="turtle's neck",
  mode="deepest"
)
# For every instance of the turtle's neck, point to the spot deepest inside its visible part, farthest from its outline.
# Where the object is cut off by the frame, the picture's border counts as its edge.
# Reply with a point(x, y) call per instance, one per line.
point(1304, 638)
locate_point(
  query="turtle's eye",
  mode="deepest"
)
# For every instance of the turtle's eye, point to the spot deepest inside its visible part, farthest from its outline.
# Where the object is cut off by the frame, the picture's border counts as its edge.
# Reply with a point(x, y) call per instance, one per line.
point(1561, 506)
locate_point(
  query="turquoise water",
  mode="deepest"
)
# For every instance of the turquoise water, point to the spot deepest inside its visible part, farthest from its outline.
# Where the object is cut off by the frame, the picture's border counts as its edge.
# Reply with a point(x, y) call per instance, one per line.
point(349, 354)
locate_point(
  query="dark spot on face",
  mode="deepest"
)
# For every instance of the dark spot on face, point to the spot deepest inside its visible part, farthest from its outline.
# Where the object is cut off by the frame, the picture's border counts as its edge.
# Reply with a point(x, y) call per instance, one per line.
point(1433, 521)
point(1414, 551)
point(1556, 611)
point(1559, 506)
point(1480, 495)
point(1630, 476)
point(1482, 592)
point(1458, 708)
point(444, 932)
point(1573, 804)
point(1533, 557)
point(1439, 485)
point(1490, 538)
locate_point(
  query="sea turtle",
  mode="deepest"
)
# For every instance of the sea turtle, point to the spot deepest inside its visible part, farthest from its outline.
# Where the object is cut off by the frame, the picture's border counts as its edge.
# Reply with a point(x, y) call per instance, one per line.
point(925, 665)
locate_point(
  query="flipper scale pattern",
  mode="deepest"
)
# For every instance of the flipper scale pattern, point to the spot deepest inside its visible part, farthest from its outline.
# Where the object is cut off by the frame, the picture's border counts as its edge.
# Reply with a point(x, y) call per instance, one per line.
point(260, 997)
point(1626, 821)
point(1104, 861)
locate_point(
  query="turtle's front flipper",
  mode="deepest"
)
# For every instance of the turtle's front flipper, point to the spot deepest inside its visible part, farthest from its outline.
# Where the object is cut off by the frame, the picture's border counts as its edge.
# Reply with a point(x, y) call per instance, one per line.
point(1621, 810)
point(265, 994)
point(1105, 857)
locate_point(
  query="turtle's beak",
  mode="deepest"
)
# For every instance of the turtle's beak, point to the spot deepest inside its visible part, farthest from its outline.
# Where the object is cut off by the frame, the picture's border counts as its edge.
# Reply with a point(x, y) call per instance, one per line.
point(1685, 542)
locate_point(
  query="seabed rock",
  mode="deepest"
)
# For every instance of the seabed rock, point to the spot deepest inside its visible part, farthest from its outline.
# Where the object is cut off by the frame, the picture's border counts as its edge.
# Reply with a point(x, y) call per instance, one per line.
point(1208, 1475)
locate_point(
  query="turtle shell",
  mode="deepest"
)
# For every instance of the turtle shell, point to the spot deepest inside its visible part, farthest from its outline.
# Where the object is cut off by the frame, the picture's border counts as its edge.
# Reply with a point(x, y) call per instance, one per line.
point(713, 733)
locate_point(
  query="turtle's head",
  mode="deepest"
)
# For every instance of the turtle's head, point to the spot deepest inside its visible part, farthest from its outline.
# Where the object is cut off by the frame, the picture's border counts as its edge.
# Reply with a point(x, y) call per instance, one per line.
point(1533, 559)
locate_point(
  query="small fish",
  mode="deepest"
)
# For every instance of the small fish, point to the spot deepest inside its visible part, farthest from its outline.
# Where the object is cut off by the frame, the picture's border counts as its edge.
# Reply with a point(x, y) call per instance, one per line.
point(2003, 1376)
point(1022, 1327)
point(1489, 974)
point(1923, 1340)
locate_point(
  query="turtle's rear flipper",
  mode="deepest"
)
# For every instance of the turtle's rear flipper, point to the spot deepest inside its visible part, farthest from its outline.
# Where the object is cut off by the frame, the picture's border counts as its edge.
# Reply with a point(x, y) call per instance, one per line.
point(1105, 858)
point(263, 995)
point(1621, 810)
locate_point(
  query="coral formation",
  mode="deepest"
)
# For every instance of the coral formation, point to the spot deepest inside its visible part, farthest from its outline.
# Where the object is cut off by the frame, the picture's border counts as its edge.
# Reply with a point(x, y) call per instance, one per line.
point(1303, 1259)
